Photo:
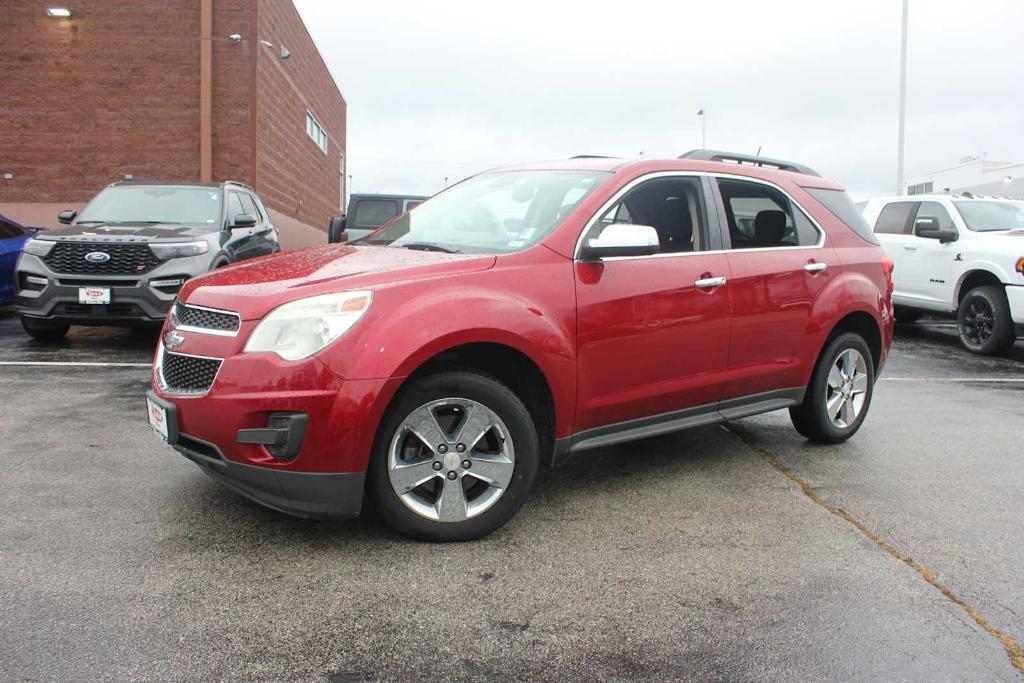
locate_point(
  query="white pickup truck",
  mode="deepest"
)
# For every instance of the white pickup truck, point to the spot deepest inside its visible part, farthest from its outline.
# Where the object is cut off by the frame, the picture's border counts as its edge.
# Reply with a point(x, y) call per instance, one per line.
point(957, 254)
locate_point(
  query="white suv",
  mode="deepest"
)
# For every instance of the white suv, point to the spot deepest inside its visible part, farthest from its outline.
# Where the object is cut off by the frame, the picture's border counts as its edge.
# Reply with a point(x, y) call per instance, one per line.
point(957, 254)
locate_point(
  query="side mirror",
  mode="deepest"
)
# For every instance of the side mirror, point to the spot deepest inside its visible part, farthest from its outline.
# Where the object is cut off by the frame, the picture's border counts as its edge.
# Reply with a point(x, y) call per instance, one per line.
point(928, 228)
point(67, 216)
point(622, 239)
point(244, 220)
point(336, 230)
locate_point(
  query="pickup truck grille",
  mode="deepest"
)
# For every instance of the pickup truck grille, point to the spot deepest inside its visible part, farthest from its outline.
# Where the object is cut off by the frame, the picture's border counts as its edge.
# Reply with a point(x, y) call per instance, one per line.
point(205, 318)
point(124, 259)
point(181, 374)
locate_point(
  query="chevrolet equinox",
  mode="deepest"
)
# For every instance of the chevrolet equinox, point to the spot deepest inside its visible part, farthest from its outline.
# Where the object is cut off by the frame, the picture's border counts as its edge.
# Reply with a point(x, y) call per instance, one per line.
point(520, 316)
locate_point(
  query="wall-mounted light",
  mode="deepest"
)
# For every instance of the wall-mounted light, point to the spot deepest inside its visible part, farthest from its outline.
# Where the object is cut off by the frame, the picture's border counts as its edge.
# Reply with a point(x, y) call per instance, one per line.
point(8, 176)
point(285, 53)
point(235, 37)
point(266, 43)
point(62, 12)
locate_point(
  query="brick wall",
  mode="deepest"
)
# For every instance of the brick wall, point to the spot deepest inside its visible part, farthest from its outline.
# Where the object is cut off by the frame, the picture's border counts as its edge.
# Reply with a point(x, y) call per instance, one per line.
point(293, 175)
point(233, 78)
point(113, 90)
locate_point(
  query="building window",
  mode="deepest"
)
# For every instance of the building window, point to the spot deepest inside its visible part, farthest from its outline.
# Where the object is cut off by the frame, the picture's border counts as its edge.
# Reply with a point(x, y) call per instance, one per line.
point(341, 182)
point(316, 131)
point(920, 188)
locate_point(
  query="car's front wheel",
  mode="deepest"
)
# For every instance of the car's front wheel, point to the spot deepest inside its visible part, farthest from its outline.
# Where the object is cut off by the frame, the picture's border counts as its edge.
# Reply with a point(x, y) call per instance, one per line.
point(455, 457)
point(839, 394)
point(45, 330)
point(984, 322)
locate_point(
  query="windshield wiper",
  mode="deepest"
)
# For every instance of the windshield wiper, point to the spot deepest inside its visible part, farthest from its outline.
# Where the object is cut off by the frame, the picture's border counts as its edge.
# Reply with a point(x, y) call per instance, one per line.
point(429, 246)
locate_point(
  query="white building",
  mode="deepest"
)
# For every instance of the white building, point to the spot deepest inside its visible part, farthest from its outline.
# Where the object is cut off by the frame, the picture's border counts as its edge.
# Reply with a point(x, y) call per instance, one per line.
point(976, 175)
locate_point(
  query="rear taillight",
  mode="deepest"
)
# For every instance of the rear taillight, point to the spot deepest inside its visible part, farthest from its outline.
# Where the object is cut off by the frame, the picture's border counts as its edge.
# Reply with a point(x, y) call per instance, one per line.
point(888, 265)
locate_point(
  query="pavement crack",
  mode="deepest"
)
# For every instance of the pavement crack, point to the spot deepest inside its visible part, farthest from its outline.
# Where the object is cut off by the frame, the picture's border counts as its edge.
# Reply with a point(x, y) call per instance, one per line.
point(1012, 647)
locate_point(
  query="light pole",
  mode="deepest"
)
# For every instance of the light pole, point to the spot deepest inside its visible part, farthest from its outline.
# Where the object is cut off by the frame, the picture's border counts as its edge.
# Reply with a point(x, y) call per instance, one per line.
point(903, 99)
point(703, 129)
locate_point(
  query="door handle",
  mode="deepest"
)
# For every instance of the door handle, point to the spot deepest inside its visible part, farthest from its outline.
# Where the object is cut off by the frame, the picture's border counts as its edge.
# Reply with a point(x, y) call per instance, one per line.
point(708, 282)
point(909, 247)
point(815, 267)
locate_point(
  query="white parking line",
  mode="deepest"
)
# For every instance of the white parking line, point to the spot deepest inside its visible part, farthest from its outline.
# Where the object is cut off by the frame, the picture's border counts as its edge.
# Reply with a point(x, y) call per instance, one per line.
point(72, 364)
point(951, 379)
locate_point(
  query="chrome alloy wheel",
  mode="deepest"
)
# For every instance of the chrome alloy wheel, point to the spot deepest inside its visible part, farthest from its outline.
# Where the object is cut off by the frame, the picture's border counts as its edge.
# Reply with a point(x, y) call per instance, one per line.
point(847, 388)
point(451, 459)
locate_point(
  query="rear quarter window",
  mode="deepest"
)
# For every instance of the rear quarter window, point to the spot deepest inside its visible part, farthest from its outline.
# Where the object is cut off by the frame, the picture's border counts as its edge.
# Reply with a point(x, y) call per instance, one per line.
point(839, 205)
point(372, 213)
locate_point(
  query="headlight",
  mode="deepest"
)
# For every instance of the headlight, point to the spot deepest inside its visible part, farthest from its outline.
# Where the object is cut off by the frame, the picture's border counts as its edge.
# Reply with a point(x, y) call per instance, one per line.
point(301, 328)
point(38, 247)
point(168, 250)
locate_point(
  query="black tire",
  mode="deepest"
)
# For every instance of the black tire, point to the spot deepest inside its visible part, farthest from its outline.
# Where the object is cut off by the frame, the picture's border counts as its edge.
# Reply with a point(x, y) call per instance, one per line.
point(907, 315)
point(495, 396)
point(811, 417)
point(45, 330)
point(983, 321)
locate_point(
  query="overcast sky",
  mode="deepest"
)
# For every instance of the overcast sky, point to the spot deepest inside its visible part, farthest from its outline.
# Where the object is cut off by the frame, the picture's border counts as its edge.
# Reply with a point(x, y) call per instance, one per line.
point(447, 89)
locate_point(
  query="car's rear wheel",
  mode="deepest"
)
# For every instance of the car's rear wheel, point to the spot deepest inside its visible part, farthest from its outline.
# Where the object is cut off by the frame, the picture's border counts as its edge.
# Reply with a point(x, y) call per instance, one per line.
point(45, 330)
point(455, 457)
point(839, 394)
point(984, 322)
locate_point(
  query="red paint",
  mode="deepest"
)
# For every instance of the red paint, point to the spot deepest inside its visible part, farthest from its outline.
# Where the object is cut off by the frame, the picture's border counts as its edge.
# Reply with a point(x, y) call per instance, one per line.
point(615, 340)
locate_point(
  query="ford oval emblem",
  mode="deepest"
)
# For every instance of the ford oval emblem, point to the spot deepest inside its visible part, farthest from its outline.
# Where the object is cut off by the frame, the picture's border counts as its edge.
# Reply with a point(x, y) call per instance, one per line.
point(97, 257)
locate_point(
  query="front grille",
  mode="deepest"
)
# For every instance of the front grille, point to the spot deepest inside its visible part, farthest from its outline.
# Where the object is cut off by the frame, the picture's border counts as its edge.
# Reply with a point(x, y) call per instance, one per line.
point(204, 318)
point(188, 374)
point(100, 310)
point(125, 259)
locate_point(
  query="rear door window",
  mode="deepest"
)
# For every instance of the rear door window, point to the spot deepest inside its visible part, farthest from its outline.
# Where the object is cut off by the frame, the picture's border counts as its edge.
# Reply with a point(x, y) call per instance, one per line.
point(373, 213)
point(761, 216)
point(895, 218)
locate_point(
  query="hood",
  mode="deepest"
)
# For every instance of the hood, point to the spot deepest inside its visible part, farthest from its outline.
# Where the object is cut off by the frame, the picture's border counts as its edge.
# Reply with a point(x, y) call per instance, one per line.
point(254, 287)
point(134, 232)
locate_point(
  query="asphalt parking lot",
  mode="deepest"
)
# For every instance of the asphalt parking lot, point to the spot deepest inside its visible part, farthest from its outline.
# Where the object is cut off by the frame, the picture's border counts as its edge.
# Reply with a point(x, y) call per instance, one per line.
point(734, 553)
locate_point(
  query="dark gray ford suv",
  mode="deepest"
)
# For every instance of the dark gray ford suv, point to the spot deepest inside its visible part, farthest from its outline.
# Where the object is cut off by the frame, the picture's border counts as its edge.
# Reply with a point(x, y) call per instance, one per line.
point(122, 260)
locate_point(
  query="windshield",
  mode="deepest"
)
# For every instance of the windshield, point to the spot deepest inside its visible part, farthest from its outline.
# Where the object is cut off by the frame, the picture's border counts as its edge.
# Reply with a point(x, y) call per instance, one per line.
point(153, 205)
point(988, 216)
point(501, 211)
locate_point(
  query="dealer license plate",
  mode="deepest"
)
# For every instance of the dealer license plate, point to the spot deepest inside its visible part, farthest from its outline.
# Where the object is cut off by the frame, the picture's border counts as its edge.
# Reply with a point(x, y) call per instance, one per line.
point(157, 418)
point(94, 295)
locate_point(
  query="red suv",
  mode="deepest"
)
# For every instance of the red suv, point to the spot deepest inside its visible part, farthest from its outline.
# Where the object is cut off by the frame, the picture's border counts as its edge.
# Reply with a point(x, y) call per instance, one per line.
point(520, 316)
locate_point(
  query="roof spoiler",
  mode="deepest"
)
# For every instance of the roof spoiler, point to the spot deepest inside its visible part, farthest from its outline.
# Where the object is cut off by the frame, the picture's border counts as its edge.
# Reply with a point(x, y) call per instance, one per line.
point(747, 160)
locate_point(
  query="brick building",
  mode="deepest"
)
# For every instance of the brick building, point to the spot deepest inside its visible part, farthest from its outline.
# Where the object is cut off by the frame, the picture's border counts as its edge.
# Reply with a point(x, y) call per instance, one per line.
point(167, 90)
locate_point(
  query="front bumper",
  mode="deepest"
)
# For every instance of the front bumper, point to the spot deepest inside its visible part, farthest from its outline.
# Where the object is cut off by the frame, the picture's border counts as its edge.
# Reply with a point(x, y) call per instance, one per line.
point(228, 430)
point(1015, 295)
point(316, 495)
point(132, 298)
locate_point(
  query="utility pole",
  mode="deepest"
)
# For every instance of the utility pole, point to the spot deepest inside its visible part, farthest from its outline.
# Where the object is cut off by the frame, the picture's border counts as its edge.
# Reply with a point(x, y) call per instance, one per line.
point(903, 99)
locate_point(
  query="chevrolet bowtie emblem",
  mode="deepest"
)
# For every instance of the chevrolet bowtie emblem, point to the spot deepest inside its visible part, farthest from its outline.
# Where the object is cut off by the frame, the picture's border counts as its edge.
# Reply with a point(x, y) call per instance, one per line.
point(173, 340)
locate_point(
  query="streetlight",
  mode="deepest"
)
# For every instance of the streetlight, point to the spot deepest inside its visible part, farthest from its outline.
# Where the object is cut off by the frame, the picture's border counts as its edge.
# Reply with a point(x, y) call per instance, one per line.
point(703, 129)
point(903, 98)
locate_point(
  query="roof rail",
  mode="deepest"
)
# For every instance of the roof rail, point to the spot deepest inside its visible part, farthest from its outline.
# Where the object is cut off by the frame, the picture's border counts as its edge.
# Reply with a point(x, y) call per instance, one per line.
point(747, 160)
point(593, 156)
point(239, 183)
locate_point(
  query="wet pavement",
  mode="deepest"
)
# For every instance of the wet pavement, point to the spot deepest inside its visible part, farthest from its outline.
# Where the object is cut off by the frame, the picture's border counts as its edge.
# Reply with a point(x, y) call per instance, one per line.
point(729, 552)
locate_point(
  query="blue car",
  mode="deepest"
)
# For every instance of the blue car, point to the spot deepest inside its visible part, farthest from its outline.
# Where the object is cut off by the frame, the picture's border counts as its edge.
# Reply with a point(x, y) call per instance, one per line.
point(12, 238)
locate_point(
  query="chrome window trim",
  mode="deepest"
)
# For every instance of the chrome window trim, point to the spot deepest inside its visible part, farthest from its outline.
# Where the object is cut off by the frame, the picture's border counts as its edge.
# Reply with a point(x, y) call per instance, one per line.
point(694, 174)
point(205, 330)
point(159, 372)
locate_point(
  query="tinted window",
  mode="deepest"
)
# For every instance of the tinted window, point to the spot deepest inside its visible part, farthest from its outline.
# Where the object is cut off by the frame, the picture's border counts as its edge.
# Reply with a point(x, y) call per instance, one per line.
point(10, 231)
point(672, 206)
point(839, 205)
point(936, 211)
point(895, 218)
point(760, 216)
point(234, 206)
point(373, 213)
point(250, 207)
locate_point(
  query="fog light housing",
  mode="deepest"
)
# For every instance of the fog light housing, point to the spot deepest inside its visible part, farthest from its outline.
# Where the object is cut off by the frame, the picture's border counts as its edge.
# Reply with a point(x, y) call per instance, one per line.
point(282, 436)
point(169, 285)
point(32, 283)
